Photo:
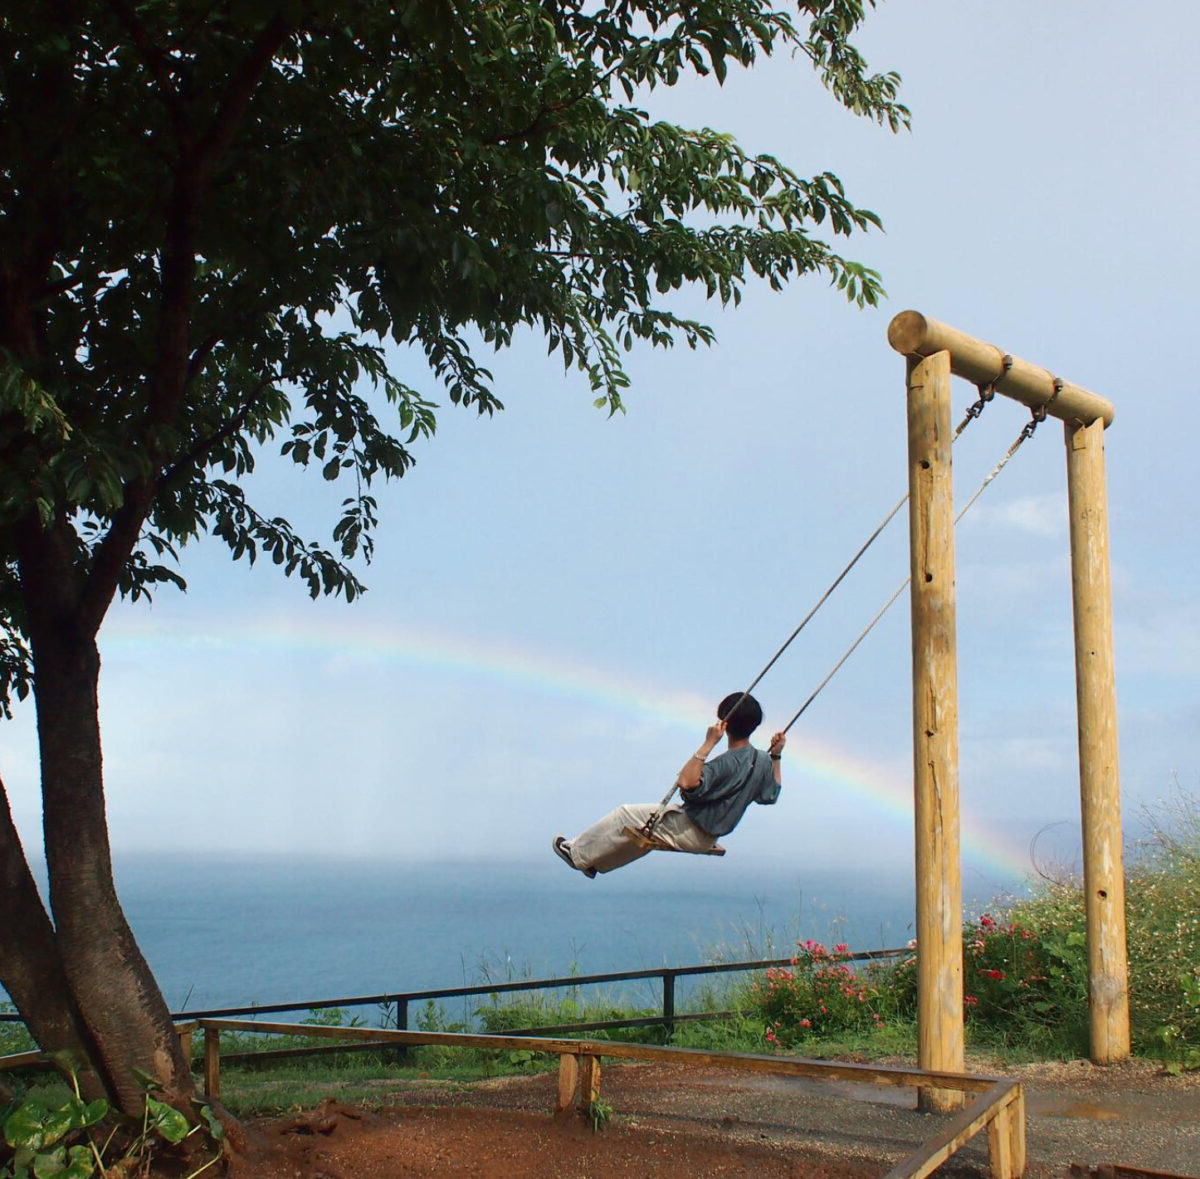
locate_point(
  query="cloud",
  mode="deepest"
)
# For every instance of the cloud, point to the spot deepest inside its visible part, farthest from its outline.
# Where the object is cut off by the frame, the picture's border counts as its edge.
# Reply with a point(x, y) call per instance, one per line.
point(1043, 516)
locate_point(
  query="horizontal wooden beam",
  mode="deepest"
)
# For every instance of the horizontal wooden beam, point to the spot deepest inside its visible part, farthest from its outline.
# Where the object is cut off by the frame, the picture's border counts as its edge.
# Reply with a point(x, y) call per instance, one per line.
point(745, 1061)
point(914, 334)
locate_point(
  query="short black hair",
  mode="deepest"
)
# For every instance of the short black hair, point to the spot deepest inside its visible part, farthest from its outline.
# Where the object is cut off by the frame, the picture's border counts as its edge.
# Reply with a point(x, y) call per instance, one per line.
point(741, 713)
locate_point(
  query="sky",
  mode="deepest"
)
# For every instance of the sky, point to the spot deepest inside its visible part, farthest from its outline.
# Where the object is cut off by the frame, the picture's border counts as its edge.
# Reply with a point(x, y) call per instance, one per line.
point(559, 599)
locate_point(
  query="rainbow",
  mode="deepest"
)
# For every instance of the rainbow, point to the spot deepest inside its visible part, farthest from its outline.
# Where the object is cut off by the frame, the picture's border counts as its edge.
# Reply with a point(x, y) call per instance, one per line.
point(881, 788)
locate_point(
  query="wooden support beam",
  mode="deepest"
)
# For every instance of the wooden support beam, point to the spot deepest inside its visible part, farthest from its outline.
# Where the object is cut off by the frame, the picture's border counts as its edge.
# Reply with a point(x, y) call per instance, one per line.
point(568, 1084)
point(930, 1155)
point(935, 726)
point(914, 334)
point(1096, 706)
point(589, 1081)
point(212, 1062)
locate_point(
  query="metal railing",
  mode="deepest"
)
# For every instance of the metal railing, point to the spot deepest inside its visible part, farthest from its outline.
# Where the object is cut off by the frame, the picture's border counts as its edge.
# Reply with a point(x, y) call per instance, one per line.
point(401, 1001)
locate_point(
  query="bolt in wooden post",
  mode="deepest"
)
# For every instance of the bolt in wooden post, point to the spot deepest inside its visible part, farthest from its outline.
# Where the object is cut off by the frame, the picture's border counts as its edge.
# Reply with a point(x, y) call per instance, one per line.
point(212, 1062)
point(935, 727)
point(1100, 800)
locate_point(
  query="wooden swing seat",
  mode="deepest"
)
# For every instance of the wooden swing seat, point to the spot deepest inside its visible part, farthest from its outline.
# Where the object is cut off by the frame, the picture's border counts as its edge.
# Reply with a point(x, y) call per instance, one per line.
point(652, 844)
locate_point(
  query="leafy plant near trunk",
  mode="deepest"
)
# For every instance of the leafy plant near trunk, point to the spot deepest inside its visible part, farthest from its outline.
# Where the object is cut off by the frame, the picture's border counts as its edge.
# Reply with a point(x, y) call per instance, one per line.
point(67, 1141)
point(219, 225)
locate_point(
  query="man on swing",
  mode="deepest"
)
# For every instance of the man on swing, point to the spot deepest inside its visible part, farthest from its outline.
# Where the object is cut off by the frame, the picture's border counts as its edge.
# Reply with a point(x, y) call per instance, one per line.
point(715, 795)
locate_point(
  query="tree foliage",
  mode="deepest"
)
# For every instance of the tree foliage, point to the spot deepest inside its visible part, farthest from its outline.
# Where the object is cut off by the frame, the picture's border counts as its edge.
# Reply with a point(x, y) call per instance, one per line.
point(216, 217)
point(222, 223)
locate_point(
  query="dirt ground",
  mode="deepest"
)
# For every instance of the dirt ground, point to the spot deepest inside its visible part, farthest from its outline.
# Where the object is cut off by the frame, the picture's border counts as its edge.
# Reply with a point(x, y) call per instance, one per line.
point(669, 1123)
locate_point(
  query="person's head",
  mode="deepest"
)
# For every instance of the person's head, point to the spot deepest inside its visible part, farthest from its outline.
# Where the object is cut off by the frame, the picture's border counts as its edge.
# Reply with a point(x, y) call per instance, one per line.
point(741, 719)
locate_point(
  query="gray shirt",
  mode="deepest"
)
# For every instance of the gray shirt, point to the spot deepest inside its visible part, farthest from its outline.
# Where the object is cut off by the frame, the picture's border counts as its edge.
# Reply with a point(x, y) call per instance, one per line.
point(728, 785)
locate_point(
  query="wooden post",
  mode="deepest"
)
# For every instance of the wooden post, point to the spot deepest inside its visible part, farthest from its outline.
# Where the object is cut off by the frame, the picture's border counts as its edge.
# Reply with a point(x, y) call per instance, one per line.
point(668, 1004)
point(212, 1062)
point(1006, 1140)
point(1100, 800)
point(185, 1045)
point(589, 1081)
point(568, 1084)
point(935, 727)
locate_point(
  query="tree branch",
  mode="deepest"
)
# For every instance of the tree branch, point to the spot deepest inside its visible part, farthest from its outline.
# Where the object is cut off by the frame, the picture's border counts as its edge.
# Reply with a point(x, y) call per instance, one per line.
point(155, 60)
point(202, 448)
point(178, 266)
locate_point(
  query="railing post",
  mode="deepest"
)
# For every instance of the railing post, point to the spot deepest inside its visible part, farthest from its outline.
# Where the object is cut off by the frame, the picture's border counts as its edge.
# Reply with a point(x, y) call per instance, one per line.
point(403, 1053)
point(668, 1004)
point(212, 1062)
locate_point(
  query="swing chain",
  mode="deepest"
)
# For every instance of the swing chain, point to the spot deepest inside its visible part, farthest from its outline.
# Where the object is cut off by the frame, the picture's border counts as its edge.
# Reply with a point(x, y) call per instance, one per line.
point(987, 391)
point(1037, 414)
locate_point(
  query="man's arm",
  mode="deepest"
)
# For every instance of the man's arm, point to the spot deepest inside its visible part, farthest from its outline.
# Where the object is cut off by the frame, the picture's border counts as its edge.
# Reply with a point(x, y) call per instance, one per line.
point(689, 774)
point(775, 750)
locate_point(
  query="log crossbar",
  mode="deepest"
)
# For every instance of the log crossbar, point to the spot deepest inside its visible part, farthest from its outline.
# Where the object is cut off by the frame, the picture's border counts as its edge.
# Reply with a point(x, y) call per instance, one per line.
point(913, 334)
point(998, 1107)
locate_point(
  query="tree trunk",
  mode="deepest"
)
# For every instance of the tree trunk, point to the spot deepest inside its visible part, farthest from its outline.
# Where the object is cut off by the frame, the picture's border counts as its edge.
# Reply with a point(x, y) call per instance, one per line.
point(30, 967)
point(126, 1018)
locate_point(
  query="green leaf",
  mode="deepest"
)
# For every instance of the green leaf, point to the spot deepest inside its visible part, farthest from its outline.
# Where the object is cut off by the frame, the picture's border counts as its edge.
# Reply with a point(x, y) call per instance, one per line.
point(214, 1126)
point(165, 1121)
point(24, 1126)
point(76, 1163)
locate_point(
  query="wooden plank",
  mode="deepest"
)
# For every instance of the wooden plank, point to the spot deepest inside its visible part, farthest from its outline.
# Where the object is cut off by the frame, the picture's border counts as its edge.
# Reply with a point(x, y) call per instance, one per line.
point(914, 334)
point(958, 1130)
point(750, 1062)
point(652, 844)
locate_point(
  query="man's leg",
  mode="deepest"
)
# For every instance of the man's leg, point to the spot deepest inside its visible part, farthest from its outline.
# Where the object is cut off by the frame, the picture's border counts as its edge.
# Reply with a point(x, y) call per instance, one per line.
point(677, 829)
point(603, 847)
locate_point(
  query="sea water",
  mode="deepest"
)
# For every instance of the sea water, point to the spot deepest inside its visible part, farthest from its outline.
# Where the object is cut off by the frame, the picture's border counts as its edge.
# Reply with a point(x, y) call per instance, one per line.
point(224, 931)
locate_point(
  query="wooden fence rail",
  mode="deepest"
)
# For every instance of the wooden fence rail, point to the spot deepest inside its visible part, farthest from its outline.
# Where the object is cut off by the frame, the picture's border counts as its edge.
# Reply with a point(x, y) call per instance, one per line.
point(998, 1109)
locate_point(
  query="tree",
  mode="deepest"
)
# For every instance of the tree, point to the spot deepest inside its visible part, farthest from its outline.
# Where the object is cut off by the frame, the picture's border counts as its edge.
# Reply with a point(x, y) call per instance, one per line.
point(213, 216)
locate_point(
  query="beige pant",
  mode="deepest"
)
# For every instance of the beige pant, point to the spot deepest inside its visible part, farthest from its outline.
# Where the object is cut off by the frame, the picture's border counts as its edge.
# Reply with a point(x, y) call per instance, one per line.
point(603, 847)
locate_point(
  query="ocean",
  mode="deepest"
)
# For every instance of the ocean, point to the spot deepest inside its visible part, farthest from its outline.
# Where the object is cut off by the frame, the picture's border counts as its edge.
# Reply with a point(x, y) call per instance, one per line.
point(226, 931)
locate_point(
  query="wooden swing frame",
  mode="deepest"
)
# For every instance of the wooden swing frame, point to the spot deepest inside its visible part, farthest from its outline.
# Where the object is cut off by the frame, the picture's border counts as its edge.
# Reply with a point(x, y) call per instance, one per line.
point(933, 353)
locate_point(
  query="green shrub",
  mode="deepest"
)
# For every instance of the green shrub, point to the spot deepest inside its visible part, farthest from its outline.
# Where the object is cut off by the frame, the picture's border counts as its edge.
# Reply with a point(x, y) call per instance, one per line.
point(818, 995)
point(1024, 978)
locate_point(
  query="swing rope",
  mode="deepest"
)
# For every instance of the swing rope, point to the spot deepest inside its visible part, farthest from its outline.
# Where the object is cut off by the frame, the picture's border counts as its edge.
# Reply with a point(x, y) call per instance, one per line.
point(1025, 434)
point(986, 394)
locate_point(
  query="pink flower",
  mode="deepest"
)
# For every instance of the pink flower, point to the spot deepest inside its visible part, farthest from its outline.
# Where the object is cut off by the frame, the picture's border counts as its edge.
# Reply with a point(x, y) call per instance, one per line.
point(806, 1023)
